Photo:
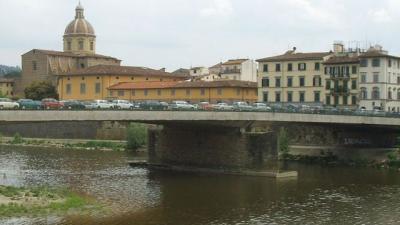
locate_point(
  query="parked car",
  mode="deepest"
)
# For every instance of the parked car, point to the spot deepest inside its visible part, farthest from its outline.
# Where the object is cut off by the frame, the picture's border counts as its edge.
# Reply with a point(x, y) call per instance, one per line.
point(89, 105)
point(6, 103)
point(102, 104)
point(181, 105)
point(153, 105)
point(29, 104)
point(261, 107)
point(51, 103)
point(242, 106)
point(123, 104)
point(292, 108)
point(73, 104)
point(223, 107)
point(206, 106)
point(378, 112)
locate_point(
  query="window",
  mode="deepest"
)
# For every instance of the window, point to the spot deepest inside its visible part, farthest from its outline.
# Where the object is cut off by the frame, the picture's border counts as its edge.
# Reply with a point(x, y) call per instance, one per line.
point(83, 78)
point(187, 92)
point(317, 66)
point(82, 66)
point(159, 92)
point(97, 88)
point(34, 65)
point(398, 94)
point(363, 94)
point(146, 92)
point(353, 69)
point(265, 82)
point(376, 62)
point(80, 45)
point(290, 67)
point(278, 67)
point(290, 81)
point(336, 100)
point(290, 96)
point(364, 63)
point(69, 46)
point(317, 96)
point(265, 96)
point(302, 66)
point(390, 94)
point(91, 45)
point(302, 81)
point(345, 100)
point(277, 82)
point(265, 68)
point(237, 91)
point(68, 89)
point(301, 96)
point(277, 97)
point(375, 93)
point(121, 93)
point(398, 80)
point(133, 92)
point(376, 77)
point(328, 85)
point(354, 100)
point(83, 88)
point(353, 84)
point(317, 82)
point(363, 78)
point(390, 63)
point(326, 70)
point(328, 100)
point(219, 91)
point(202, 92)
point(173, 92)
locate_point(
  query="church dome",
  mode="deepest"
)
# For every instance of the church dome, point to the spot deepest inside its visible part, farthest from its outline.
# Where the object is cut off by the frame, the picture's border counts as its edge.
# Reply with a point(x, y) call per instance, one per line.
point(79, 26)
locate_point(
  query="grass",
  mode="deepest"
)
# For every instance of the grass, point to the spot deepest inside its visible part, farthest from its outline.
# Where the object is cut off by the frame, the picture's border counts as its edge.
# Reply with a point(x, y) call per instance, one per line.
point(43, 201)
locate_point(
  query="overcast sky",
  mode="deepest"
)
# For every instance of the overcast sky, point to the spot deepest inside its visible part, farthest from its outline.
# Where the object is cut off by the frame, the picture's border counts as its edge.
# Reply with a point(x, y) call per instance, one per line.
point(184, 33)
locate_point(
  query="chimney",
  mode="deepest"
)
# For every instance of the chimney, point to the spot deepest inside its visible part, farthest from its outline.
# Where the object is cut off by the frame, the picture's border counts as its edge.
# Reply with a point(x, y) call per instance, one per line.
point(162, 69)
point(338, 47)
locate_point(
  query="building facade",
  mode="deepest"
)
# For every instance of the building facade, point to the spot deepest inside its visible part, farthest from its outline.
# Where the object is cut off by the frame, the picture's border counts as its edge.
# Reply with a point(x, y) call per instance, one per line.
point(79, 53)
point(193, 92)
point(6, 87)
point(239, 69)
point(292, 78)
point(92, 83)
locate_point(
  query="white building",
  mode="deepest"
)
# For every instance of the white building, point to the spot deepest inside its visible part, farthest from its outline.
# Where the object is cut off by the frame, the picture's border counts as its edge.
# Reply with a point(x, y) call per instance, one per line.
point(239, 69)
point(198, 71)
point(379, 80)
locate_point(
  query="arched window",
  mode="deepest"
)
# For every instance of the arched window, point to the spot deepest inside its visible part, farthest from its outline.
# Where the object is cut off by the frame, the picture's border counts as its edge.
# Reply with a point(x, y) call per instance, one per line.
point(390, 93)
point(398, 94)
point(80, 45)
point(375, 93)
point(363, 94)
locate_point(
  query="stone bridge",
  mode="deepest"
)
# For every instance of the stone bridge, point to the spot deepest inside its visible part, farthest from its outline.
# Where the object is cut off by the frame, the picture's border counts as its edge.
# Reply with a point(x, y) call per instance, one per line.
point(232, 139)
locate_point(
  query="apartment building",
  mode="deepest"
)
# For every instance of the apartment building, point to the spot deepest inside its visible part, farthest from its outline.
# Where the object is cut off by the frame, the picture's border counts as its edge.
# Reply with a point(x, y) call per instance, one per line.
point(293, 78)
point(198, 71)
point(379, 80)
point(239, 69)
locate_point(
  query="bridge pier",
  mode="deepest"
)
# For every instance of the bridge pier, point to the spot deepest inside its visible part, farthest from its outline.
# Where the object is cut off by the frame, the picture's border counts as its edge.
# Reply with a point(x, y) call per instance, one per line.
point(210, 146)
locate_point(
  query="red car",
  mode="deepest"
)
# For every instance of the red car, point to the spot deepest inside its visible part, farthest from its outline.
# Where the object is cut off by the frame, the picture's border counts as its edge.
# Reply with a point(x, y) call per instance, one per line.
point(51, 103)
point(205, 106)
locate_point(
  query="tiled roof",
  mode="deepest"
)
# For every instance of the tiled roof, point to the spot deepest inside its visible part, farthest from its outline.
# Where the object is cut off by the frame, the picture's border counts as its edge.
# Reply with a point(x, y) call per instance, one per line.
point(295, 56)
point(121, 70)
point(186, 84)
point(342, 60)
point(372, 54)
point(182, 71)
point(216, 66)
point(234, 62)
point(68, 54)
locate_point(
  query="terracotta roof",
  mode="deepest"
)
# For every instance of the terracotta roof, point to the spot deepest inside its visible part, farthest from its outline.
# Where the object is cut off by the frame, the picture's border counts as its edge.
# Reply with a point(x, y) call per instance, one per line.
point(295, 56)
point(68, 54)
point(372, 54)
point(186, 84)
point(121, 70)
point(234, 62)
point(342, 60)
point(216, 65)
point(197, 68)
point(182, 71)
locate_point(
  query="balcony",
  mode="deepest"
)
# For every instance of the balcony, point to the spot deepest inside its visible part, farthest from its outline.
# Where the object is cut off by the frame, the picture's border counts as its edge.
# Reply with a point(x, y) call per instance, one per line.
point(231, 71)
point(340, 90)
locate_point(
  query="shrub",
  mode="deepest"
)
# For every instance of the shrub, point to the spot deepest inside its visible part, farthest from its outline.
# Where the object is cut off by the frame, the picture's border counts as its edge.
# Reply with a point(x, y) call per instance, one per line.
point(136, 136)
point(17, 139)
point(283, 141)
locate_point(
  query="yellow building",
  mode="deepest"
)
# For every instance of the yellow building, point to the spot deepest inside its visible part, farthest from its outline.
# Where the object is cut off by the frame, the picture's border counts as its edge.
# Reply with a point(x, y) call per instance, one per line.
point(91, 83)
point(292, 77)
point(6, 87)
point(215, 91)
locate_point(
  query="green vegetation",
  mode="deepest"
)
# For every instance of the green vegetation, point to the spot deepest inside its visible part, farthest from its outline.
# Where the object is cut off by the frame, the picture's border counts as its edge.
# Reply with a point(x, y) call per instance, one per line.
point(41, 90)
point(136, 136)
point(283, 142)
point(16, 201)
point(393, 159)
point(116, 146)
point(17, 139)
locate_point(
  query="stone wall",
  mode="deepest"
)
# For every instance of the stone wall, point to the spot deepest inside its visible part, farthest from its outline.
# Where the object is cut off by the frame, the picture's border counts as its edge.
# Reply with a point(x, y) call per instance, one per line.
point(67, 130)
point(209, 146)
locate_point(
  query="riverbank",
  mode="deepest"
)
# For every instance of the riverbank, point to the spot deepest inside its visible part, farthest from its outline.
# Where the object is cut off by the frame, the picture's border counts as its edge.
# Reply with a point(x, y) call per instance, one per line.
point(73, 144)
point(20, 201)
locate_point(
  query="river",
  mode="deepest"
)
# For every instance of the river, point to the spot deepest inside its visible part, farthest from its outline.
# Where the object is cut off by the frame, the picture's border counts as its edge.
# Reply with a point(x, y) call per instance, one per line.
point(320, 195)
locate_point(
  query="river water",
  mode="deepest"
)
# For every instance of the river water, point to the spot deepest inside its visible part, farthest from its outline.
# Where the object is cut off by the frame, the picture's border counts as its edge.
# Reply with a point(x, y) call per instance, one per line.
point(320, 195)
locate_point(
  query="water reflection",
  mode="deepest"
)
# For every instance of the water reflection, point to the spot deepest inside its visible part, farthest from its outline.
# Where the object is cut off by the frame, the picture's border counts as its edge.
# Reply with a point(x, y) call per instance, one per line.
point(336, 195)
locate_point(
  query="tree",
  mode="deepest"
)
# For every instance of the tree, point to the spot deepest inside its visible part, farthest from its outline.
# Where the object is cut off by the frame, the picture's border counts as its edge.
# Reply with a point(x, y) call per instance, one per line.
point(283, 141)
point(41, 90)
